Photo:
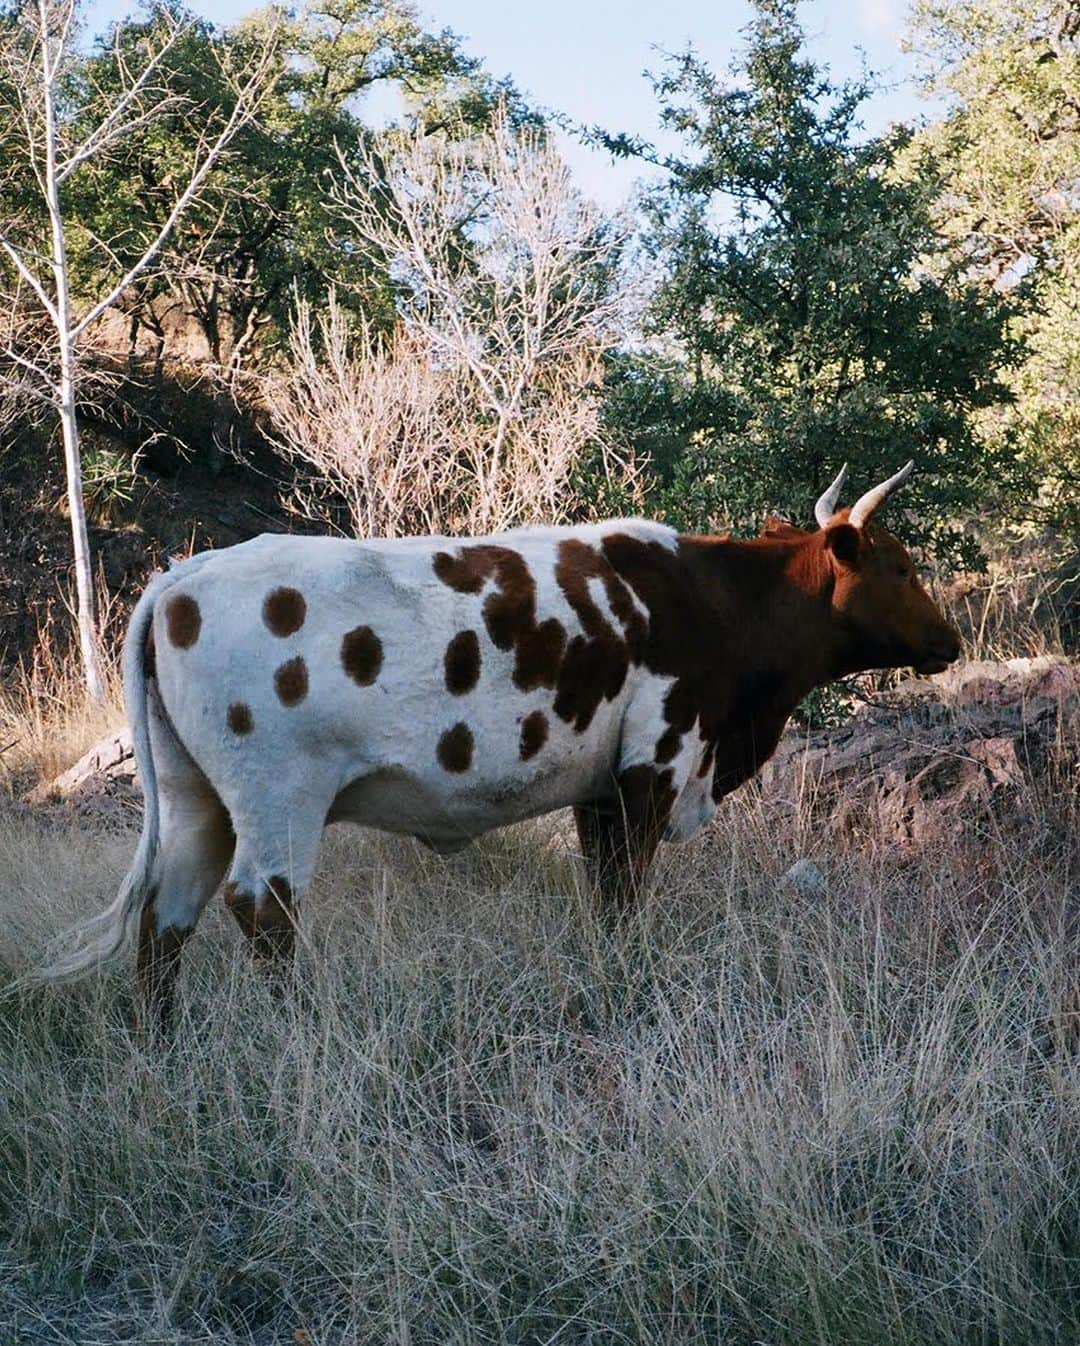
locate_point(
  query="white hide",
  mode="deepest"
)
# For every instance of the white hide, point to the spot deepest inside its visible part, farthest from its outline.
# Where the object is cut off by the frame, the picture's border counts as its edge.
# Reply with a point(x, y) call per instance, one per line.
point(253, 804)
point(369, 753)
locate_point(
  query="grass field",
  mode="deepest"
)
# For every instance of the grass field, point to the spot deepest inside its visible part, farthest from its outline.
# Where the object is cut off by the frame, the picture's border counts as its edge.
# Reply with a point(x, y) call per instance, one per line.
point(749, 1118)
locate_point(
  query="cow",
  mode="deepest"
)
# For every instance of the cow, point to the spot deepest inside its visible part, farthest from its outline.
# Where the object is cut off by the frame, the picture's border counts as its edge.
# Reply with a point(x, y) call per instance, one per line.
point(442, 687)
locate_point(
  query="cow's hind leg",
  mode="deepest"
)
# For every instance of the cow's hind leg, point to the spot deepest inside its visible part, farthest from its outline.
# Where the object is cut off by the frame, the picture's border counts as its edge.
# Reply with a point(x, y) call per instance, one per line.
point(271, 871)
point(619, 837)
point(196, 843)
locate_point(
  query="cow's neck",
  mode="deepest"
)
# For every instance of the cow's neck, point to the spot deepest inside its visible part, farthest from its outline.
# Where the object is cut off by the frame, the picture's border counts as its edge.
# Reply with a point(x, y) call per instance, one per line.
point(766, 608)
point(773, 598)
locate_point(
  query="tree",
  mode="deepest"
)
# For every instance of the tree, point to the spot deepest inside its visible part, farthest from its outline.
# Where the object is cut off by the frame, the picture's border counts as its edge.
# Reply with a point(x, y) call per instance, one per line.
point(261, 234)
point(807, 313)
point(473, 413)
point(1007, 152)
point(39, 76)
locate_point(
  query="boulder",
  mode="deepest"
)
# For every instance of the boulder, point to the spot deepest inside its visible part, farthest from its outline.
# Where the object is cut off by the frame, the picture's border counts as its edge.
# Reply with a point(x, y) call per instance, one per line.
point(102, 783)
point(939, 757)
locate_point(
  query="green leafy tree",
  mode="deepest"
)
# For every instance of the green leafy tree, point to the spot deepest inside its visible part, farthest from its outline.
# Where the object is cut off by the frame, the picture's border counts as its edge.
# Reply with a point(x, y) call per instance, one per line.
point(1007, 151)
point(263, 235)
point(807, 312)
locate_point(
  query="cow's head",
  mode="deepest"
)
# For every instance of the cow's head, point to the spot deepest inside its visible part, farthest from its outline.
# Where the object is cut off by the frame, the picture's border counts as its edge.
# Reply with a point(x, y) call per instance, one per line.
point(885, 617)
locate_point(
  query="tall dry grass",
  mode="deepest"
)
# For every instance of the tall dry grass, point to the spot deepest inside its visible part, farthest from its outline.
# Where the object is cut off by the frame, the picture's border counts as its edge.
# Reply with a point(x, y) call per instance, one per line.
point(47, 721)
point(477, 1118)
point(1026, 603)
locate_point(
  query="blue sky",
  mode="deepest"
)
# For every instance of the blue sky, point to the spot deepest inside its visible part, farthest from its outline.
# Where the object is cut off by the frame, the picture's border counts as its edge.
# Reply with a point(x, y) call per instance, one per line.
point(585, 57)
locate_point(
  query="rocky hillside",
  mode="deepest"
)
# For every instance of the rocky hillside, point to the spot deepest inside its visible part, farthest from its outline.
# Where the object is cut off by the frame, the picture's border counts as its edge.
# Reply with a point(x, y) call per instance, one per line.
point(977, 747)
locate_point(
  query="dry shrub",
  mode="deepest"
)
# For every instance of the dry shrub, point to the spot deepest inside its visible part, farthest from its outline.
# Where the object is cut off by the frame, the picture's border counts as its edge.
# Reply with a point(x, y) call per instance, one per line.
point(47, 718)
point(475, 413)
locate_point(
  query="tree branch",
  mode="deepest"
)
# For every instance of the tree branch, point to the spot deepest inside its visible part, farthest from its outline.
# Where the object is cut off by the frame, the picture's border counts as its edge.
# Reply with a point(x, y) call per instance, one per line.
point(28, 276)
point(112, 128)
point(246, 102)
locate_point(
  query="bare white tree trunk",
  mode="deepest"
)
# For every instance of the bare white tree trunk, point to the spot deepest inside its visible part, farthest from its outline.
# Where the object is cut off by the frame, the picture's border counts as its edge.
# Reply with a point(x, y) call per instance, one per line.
point(89, 644)
point(34, 62)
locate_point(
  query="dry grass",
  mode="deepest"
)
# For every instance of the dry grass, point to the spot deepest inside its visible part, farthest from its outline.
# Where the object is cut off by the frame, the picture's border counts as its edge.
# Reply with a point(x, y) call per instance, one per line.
point(43, 730)
point(1016, 609)
point(478, 1119)
point(749, 1118)
point(47, 721)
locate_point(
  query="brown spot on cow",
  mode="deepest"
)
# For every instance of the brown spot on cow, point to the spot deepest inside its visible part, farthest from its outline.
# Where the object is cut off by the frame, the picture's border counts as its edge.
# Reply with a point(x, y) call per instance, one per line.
point(583, 671)
point(182, 621)
point(509, 610)
point(362, 655)
point(539, 656)
point(681, 705)
point(291, 681)
point(284, 611)
point(239, 718)
point(680, 711)
point(647, 796)
point(534, 732)
point(465, 572)
point(462, 663)
point(591, 672)
point(455, 748)
point(668, 745)
point(595, 664)
point(577, 564)
point(270, 922)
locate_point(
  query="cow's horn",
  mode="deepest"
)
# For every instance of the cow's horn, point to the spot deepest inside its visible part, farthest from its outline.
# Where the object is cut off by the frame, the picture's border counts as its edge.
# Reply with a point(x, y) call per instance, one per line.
point(863, 508)
point(826, 506)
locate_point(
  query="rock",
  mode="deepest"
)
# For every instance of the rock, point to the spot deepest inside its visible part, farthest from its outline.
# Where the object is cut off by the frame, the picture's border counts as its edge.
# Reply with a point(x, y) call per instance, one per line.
point(938, 758)
point(103, 783)
point(805, 880)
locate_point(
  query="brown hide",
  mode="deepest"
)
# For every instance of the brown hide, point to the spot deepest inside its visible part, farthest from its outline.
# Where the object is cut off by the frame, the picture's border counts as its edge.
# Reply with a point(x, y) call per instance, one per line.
point(748, 628)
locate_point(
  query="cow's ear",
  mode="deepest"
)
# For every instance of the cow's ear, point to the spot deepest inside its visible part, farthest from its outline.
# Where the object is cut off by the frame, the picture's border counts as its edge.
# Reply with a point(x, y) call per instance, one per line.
point(775, 526)
point(845, 542)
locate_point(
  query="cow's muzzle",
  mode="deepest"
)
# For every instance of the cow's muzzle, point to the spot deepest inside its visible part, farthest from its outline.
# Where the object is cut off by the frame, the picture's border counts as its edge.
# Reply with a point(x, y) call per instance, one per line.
point(942, 653)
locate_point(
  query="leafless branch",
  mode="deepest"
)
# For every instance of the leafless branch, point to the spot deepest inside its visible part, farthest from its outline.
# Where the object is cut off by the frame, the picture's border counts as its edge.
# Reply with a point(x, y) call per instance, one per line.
point(113, 127)
point(475, 416)
point(248, 98)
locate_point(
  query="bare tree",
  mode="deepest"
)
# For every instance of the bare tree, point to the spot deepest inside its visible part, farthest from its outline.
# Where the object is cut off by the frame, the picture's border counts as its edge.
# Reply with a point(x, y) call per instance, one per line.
point(38, 59)
point(371, 420)
point(475, 415)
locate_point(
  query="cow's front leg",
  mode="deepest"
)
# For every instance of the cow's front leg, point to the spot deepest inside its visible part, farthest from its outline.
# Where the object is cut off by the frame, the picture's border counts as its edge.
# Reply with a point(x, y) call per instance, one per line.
point(619, 836)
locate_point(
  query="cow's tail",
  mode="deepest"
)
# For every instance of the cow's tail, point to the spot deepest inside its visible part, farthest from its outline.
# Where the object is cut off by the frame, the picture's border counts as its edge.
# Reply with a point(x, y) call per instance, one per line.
point(101, 937)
